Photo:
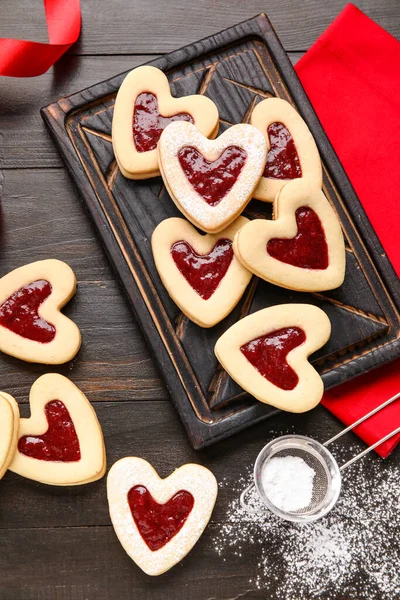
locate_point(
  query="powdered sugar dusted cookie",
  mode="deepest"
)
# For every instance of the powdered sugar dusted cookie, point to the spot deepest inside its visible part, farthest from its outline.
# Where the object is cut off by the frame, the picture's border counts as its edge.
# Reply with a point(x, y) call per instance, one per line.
point(211, 181)
point(266, 354)
point(200, 272)
point(158, 521)
point(303, 249)
point(32, 327)
point(9, 427)
point(143, 108)
point(61, 443)
point(292, 152)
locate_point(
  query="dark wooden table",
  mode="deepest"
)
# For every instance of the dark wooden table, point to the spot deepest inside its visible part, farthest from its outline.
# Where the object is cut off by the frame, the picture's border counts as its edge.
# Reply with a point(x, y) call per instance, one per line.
point(58, 543)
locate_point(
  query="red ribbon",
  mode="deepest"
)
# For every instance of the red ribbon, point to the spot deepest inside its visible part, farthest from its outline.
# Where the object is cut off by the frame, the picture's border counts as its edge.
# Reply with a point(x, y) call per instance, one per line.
point(22, 58)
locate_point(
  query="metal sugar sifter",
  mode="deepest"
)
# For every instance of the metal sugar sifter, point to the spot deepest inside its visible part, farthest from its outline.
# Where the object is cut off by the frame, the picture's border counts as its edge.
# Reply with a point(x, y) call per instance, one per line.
point(327, 480)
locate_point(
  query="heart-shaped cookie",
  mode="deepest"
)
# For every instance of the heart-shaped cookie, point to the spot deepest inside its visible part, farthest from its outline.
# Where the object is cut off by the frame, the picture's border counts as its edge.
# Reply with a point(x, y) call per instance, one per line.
point(302, 249)
point(200, 272)
point(61, 443)
point(211, 181)
point(143, 108)
point(9, 427)
point(158, 521)
point(292, 152)
point(32, 327)
point(266, 354)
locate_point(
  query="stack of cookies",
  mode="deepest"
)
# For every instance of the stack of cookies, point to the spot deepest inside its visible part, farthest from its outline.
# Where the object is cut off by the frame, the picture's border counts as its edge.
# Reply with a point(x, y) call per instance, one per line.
point(211, 180)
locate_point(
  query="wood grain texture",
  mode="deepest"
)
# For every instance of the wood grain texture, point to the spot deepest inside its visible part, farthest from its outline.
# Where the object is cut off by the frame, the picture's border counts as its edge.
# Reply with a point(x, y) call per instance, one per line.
point(89, 564)
point(150, 430)
point(236, 69)
point(57, 544)
point(121, 27)
point(24, 141)
point(62, 541)
point(43, 218)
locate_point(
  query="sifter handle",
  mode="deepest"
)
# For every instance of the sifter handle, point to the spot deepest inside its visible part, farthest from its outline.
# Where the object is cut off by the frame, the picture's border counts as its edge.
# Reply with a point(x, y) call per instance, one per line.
point(364, 452)
point(364, 418)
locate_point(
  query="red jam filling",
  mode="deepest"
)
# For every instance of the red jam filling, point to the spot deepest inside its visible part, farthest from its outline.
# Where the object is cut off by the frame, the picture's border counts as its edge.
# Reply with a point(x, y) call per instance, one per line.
point(60, 442)
point(158, 523)
point(282, 159)
point(268, 355)
point(212, 180)
point(19, 313)
point(148, 124)
point(308, 249)
point(203, 272)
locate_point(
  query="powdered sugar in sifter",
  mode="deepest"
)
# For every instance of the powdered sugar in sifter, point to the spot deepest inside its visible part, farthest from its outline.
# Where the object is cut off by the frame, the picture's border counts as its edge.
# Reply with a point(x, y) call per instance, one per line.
point(327, 480)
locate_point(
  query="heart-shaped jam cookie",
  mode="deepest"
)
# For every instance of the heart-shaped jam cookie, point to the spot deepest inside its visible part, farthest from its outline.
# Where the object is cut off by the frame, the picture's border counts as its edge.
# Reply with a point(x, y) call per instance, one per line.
point(292, 152)
point(32, 327)
point(143, 109)
point(9, 427)
point(266, 354)
point(158, 521)
point(211, 181)
point(62, 442)
point(303, 248)
point(200, 272)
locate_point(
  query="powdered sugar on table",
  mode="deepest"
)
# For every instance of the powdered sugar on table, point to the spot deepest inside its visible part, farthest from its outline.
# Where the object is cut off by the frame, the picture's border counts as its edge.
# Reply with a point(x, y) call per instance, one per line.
point(351, 554)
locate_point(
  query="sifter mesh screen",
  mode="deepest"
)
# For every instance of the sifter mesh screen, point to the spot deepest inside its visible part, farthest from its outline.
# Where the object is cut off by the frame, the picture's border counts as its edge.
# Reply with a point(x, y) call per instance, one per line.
point(321, 481)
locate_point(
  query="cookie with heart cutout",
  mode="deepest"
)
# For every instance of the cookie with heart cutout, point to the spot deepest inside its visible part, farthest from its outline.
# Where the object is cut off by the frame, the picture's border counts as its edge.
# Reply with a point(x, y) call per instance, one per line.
point(303, 248)
point(9, 427)
point(292, 151)
point(32, 327)
point(267, 352)
point(200, 272)
point(211, 181)
point(143, 109)
point(61, 443)
point(158, 521)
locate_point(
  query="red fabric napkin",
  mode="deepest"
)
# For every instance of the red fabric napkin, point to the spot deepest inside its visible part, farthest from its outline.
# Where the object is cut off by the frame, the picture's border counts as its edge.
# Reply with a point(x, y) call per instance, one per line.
point(352, 77)
point(22, 58)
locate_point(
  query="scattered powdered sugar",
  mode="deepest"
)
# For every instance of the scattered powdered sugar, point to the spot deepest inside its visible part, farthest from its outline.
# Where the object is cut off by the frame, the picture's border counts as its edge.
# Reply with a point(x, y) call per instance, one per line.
point(351, 554)
point(288, 482)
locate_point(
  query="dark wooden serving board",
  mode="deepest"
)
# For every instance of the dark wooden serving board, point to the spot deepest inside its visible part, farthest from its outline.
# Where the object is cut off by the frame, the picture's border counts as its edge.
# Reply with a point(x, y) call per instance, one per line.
point(237, 68)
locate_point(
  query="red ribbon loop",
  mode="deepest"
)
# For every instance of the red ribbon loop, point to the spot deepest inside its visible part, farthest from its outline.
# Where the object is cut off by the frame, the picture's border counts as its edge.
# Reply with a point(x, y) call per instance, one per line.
point(22, 58)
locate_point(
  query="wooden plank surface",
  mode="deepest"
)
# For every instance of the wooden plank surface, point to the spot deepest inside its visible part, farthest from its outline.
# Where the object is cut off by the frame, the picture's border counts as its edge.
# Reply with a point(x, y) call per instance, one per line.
point(24, 140)
point(25, 143)
point(146, 429)
point(62, 540)
point(40, 205)
point(57, 543)
point(158, 26)
point(106, 568)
